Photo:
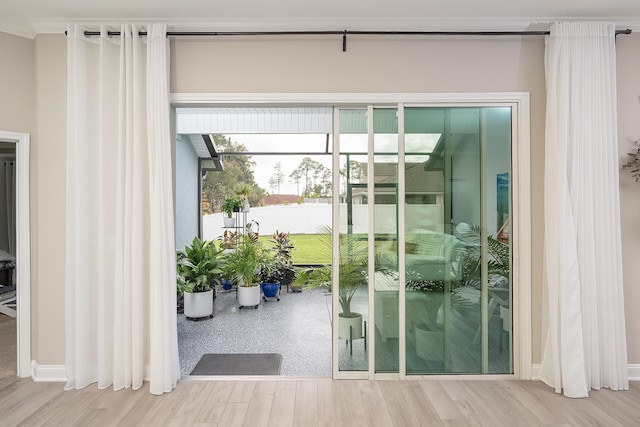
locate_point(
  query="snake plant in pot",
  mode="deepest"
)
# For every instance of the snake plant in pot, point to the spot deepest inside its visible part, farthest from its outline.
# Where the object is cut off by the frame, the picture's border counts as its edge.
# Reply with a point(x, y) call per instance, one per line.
point(199, 268)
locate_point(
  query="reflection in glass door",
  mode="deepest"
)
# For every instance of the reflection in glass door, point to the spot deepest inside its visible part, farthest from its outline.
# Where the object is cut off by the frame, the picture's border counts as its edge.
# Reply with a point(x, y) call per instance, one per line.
point(457, 251)
point(424, 263)
point(385, 245)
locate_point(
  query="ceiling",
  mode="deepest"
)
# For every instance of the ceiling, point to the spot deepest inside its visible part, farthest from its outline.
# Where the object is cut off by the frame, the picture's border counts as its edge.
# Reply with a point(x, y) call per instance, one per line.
point(29, 17)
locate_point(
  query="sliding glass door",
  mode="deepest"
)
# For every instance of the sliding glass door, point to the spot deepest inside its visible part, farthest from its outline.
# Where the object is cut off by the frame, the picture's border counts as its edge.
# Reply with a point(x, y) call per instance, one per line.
point(424, 240)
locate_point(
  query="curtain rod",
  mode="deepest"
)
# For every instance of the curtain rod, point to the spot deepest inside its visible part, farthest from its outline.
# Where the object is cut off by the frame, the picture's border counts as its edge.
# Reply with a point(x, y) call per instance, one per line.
point(344, 33)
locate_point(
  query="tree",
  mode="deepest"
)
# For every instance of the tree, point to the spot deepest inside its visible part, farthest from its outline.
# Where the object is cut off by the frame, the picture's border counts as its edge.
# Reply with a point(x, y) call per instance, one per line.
point(276, 179)
point(295, 177)
point(218, 185)
point(314, 176)
point(354, 171)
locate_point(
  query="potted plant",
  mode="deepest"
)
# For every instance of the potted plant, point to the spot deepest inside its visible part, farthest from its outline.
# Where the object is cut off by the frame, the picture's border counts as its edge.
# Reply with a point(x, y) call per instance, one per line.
point(352, 268)
point(230, 205)
point(282, 247)
point(270, 284)
point(429, 334)
point(198, 271)
point(228, 241)
point(243, 191)
point(245, 266)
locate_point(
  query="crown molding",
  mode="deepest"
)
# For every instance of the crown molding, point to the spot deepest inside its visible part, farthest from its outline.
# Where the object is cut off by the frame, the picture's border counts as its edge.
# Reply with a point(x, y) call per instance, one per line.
point(57, 26)
point(306, 24)
point(17, 29)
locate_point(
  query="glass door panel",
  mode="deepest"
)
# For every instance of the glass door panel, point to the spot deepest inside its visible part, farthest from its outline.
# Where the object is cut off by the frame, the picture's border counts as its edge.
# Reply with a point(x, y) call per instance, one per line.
point(457, 251)
point(422, 266)
point(352, 291)
point(385, 217)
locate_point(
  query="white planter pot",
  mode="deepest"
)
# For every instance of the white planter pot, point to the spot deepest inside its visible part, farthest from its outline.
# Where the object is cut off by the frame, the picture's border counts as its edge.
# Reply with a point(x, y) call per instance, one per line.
point(249, 296)
point(246, 207)
point(346, 323)
point(229, 221)
point(430, 345)
point(199, 304)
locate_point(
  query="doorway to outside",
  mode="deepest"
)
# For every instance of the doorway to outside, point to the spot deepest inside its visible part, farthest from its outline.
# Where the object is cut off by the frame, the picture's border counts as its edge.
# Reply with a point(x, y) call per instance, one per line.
point(423, 205)
point(289, 181)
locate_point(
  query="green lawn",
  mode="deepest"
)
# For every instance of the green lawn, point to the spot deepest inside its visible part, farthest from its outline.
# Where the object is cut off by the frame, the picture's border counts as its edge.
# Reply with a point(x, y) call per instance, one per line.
point(307, 248)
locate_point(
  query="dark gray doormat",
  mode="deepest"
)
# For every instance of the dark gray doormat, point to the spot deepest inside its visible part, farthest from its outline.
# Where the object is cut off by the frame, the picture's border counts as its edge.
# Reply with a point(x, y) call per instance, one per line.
point(239, 364)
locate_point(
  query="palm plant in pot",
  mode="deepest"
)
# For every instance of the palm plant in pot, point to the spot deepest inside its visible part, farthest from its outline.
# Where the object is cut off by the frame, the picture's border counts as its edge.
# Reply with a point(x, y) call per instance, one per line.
point(198, 271)
point(245, 266)
point(352, 269)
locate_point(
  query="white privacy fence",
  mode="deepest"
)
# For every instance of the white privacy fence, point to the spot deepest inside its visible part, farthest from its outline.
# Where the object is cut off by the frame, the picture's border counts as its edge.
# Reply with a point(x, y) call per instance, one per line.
point(308, 217)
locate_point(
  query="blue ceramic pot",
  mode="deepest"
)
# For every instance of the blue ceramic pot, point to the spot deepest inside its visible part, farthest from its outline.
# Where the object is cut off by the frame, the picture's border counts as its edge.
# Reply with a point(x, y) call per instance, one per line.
point(226, 284)
point(270, 290)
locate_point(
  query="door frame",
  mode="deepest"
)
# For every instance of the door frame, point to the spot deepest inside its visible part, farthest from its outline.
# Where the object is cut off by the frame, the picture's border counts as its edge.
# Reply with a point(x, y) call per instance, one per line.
point(521, 189)
point(23, 251)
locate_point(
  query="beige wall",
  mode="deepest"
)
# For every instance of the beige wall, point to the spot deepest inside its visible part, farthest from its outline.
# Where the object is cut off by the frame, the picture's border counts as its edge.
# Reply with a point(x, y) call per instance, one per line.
point(385, 64)
point(628, 54)
point(49, 265)
point(17, 93)
point(17, 114)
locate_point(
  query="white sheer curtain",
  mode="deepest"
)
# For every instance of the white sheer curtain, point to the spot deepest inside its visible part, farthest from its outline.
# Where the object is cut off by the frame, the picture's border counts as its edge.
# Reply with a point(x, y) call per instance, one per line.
point(586, 343)
point(120, 292)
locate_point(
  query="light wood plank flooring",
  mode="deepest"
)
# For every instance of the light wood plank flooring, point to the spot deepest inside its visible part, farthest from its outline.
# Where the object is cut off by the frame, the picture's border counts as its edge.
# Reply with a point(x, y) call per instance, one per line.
point(320, 402)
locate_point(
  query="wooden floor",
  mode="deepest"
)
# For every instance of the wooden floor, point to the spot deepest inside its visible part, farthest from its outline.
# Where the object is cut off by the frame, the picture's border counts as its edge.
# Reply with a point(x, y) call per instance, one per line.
point(316, 403)
point(319, 402)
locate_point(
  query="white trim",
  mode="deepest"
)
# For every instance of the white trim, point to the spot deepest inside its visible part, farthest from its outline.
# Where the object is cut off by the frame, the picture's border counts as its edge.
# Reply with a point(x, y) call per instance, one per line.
point(371, 249)
point(16, 29)
point(535, 372)
point(48, 373)
point(401, 236)
point(335, 242)
point(634, 372)
point(57, 26)
point(41, 26)
point(278, 378)
point(180, 100)
point(23, 251)
point(522, 339)
point(521, 225)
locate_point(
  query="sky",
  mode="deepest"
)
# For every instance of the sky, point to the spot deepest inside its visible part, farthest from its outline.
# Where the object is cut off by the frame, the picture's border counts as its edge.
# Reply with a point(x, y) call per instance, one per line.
point(265, 165)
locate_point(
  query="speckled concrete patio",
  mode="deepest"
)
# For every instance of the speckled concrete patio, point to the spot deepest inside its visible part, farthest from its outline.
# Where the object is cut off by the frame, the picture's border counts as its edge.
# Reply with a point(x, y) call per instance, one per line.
point(298, 327)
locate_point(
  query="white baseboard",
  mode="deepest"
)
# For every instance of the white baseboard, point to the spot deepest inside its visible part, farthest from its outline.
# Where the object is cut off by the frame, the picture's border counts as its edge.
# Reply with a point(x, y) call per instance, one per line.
point(535, 372)
point(634, 372)
point(57, 373)
point(48, 373)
